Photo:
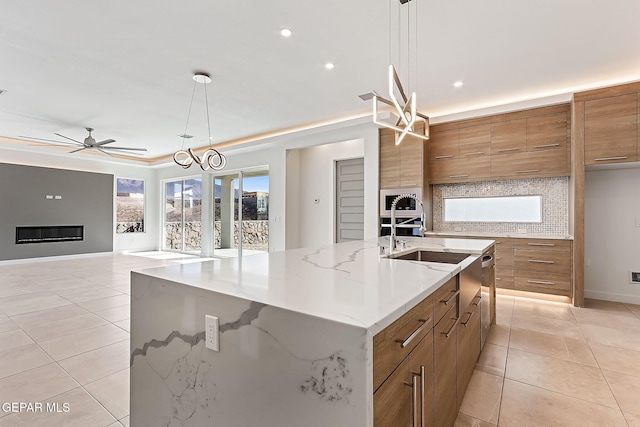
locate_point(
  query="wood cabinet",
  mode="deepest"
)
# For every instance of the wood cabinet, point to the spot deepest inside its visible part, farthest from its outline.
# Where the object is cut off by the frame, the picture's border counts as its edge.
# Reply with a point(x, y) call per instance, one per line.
point(548, 132)
point(401, 166)
point(525, 144)
point(509, 137)
point(421, 373)
point(611, 129)
point(392, 402)
point(468, 345)
point(390, 345)
point(537, 164)
point(445, 364)
point(544, 266)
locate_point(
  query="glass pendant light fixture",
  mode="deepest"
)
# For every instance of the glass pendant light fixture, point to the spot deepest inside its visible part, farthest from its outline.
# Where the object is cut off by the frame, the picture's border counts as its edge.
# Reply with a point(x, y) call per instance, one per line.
point(211, 158)
point(402, 105)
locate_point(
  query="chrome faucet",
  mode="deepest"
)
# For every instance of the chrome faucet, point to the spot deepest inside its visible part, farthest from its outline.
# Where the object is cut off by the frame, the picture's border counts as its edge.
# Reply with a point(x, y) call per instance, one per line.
point(393, 241)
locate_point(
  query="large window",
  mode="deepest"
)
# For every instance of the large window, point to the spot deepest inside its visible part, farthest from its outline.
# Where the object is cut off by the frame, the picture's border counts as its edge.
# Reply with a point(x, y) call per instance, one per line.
point(129, 205)
point(241, 213)
point(182, 215)
point(493, 209)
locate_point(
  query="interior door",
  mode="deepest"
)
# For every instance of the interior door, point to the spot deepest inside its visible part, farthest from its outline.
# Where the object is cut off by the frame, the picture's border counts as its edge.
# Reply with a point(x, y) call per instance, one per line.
point(349, 200)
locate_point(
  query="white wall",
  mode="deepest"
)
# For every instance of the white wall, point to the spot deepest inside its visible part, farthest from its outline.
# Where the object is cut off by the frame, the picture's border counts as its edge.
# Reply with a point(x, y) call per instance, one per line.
point(317, 181)
point(121, 242)
point(285, 170)
point(612, 241)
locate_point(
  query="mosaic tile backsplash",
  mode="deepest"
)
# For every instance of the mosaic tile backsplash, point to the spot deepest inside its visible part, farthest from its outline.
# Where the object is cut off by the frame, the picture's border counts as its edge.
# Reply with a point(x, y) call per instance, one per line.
point(555, 205)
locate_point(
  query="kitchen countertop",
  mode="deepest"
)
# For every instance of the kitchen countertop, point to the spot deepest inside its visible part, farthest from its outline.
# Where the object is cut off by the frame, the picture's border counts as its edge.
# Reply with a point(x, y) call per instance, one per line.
point(349, 282)
point(512, 235)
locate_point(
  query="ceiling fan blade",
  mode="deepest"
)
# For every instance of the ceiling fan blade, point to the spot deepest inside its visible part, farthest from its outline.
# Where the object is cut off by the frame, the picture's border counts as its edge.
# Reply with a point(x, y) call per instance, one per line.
point(79, 149)
point(48, 140)
point(106, 141)
point(102, 151)
point(124, 148)
point(66, 137)
point(123, 152)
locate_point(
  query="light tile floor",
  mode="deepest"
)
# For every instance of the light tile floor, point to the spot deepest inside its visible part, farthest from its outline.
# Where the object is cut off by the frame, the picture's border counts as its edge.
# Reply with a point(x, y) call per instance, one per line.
point(64, 337)
point(550, 364)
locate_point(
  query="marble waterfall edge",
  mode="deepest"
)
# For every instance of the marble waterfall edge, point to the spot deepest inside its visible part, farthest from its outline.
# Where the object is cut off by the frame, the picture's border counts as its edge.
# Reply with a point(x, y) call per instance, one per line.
point(275, 367)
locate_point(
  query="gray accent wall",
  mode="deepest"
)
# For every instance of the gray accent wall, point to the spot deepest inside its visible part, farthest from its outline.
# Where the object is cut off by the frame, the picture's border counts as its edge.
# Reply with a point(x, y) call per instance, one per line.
point(86, 199)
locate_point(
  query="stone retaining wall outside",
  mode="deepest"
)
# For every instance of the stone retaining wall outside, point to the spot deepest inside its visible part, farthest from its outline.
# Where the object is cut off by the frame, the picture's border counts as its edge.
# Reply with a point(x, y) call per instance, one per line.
point(255, 235)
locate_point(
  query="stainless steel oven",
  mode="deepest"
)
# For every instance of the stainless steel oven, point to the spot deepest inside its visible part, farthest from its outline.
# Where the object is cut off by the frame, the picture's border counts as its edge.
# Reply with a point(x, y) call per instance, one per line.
point(405, 207)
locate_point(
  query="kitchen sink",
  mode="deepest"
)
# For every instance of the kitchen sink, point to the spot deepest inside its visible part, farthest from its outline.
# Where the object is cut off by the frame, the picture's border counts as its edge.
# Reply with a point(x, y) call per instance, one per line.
point(429, 256)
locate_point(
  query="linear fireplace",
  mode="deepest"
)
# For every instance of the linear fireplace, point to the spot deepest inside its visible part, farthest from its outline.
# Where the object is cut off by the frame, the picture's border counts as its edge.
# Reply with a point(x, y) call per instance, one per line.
point(55, 233)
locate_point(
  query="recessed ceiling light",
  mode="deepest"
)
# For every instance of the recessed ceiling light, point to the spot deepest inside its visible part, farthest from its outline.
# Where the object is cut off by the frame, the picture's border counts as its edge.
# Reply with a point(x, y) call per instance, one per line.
point(457, 84)
point(329, 65)
point(285, 32)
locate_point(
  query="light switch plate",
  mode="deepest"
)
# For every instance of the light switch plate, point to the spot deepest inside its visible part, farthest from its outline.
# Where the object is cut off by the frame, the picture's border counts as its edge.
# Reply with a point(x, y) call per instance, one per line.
point(212, 332)
point(638, 221)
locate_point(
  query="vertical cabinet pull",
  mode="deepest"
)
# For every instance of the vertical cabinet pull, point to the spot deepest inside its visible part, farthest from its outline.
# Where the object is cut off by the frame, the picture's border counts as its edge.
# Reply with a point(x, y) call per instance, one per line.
point(418, 387)
point(416, 404)
point(422, 391)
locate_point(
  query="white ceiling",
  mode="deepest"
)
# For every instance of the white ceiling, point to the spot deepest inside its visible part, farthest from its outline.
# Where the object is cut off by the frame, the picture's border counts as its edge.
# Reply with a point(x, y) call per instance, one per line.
point(124, 67)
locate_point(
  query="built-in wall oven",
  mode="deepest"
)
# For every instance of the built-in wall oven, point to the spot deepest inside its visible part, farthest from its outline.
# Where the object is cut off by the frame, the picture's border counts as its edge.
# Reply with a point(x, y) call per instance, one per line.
point(408, 212)
point(405, 207)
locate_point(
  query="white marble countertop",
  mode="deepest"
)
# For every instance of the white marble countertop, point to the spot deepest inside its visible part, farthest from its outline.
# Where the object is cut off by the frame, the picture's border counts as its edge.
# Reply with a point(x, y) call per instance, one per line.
point(463, 234)
point(349, 282)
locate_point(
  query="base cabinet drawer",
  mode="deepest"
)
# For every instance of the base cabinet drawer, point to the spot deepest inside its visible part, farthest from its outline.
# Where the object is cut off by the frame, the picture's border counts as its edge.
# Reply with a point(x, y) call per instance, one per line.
point(505, 278)
point(396, 341)
point(445, 298)
point(540, 261)
point(558, 284)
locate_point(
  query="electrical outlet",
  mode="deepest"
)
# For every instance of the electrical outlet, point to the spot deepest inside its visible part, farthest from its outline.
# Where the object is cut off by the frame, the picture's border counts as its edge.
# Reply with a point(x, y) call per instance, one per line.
point(212, 332)
point(638, 221)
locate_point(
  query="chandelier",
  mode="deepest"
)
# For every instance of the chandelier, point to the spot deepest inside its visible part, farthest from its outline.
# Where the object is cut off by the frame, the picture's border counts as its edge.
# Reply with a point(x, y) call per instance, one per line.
point(210, 158)
point(402, 105)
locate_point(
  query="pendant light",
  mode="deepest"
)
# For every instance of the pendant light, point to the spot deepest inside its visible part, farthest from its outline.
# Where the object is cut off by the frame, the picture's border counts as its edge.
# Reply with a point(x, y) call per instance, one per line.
point(211, 158)
point(404, 106)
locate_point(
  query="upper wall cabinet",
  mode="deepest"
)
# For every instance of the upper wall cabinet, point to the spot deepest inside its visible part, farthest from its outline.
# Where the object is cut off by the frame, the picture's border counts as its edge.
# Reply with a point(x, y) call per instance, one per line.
point(401, 166)
point(530, 143)
point(611, 129)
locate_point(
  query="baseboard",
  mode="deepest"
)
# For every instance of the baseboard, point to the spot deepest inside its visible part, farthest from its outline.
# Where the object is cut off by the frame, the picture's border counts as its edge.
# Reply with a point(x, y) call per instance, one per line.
point(53, 258)
point(610, 296)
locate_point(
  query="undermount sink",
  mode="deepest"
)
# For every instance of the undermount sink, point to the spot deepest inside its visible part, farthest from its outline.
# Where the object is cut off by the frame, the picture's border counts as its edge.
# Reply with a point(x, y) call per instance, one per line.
point(429, 256)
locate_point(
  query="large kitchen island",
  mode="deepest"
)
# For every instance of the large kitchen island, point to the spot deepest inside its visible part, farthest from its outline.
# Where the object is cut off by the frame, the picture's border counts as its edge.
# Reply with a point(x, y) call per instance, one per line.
point(296, 333)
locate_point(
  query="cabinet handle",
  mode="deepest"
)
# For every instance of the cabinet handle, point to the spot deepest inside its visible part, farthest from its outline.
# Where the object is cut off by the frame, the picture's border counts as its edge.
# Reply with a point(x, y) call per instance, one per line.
point(458, 176)
point(447, 301)
point(422, 391)
point(414, 334)
point(446, 334)
point(444, 157)
point(498, 278)
point(508, 149)
point(470, 313)
point(415, 402)
point(498, 243)
point(547, 145)
point(541, 282)
point(603, 159)
point(541, 261)
point(529, 171)
point(475, 153)
point(541, 244)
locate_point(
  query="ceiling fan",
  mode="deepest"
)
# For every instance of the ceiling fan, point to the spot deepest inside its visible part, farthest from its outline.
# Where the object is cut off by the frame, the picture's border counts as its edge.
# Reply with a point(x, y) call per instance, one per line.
point(89, 143)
